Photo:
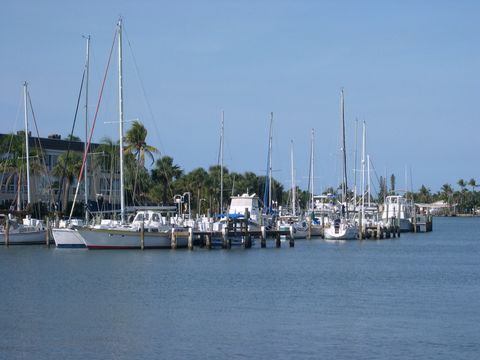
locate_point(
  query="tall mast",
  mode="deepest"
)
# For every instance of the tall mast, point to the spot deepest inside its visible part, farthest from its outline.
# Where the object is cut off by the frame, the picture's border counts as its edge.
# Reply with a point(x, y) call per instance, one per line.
point(270, 162)
point(344, 181)
point(363, 172)
point(368, 179)
point(27, 150)
point(267, 194)
point(221, 163)
point(120, 113)
point(312, 165)
point(355, 167)
point(85, 176)
point(293, 181)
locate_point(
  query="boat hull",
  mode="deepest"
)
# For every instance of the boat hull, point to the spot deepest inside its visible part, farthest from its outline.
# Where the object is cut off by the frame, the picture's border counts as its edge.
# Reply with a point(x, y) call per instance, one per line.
point(68, 238)
point(25, 238)
point(342, 233)
point(128, 239)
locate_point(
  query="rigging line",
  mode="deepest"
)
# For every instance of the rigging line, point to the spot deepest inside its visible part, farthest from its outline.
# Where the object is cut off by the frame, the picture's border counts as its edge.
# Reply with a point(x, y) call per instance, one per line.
point(65, 163)
point(37, 140)
point(378, 180)
point(6, 162)
point(142, 86)
point(87, 147)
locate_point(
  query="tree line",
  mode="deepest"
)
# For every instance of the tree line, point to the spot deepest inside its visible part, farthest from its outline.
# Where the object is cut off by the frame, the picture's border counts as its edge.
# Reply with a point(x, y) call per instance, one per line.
point(166, 180)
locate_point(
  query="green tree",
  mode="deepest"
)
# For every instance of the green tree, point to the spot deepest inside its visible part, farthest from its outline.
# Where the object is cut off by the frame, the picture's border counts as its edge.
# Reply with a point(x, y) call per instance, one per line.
point(165, 172)
point(106, 165)
point(68, 167)
point(392, 184)
point(13, 164)
point(135, 143)
point(446, 195)
point(473, 183)
point(71, 137)
point(424, 195)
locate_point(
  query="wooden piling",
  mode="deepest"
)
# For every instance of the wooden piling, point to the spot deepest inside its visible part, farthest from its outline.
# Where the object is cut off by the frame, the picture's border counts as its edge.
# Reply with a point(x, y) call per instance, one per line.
point(208, 241)
point(292, 237)
point(47, 233)
point(248, 241)
point(225, 237)
point(263, 237)
point(173, 242)
point(142, 236)
point(277, 240)
point(190, 239)
point(7, 231)
point(309, 232)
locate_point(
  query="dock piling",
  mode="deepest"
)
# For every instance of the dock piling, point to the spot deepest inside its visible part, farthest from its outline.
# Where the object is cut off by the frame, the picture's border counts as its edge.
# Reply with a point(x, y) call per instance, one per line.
point(277, 240)
point(190, 238)
point(173, 239)
point(47, 233)
point(292, 237)
point(7, 231)
point(263, 237)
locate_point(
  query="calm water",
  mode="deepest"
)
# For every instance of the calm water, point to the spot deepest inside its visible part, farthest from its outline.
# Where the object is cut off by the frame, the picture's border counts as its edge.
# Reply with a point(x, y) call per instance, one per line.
point(413, 297)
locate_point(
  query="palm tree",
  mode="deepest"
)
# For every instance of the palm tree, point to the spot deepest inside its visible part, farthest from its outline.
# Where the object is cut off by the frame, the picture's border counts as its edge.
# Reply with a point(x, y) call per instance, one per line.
point(196, 182)
point(164, 173)
point(68, 166)
point(135, 140)
point(473, 183)
point(13, 164)
point(447, 194)
point(424, 195)
point(136, 144)
point(105, 165)
point(462, 185)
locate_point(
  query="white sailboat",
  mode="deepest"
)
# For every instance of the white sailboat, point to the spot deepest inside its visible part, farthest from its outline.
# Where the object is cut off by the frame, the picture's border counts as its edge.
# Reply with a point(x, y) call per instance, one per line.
point(343, 228)
point(67, 236)
point(298, 227)
point(29, 231)
point(126, 236)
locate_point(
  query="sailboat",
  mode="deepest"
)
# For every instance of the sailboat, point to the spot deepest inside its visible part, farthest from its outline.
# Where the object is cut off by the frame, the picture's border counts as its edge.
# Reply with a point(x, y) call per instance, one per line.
point(30, 231)
point(342, 228)
point(67, 236)
point(126, 236)
point(298, 227)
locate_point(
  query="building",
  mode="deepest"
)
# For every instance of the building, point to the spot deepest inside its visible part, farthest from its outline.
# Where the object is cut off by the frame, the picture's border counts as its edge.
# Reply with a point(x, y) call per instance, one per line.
point(44, 187)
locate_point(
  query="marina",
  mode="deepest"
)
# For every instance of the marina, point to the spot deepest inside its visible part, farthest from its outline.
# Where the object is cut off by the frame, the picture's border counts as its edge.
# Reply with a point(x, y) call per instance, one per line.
point(408, 297)
point(239, 180)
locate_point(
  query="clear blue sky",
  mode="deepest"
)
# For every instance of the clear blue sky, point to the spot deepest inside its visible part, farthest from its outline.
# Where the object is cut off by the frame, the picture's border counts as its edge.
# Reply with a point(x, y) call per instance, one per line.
point(410, 69)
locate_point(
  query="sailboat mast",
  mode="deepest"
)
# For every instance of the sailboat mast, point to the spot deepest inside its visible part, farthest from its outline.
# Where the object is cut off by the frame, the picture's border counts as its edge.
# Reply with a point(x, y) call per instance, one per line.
point(27, 150)
point(312, 165)
point(85, 176)
point(344, 183)
point(355, 167)
point(270, 163)
point(368, 179)
point(120, 111)
point(221, 163)
point(363, 172)
point(293, 181)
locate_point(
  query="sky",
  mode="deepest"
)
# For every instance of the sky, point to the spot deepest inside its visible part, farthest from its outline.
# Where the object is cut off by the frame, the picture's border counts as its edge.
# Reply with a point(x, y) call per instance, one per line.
point(409, 69)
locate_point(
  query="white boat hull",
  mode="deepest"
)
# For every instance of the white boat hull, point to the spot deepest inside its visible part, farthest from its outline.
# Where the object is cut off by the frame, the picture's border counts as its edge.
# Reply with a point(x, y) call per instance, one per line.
point(25, 238)
point(343, 232)
point(298, 232)
point(68, 238)
point(128, 239)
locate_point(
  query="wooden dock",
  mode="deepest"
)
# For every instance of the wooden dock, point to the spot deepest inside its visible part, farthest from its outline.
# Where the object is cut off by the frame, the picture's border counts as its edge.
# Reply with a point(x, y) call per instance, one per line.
point(228, 237)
